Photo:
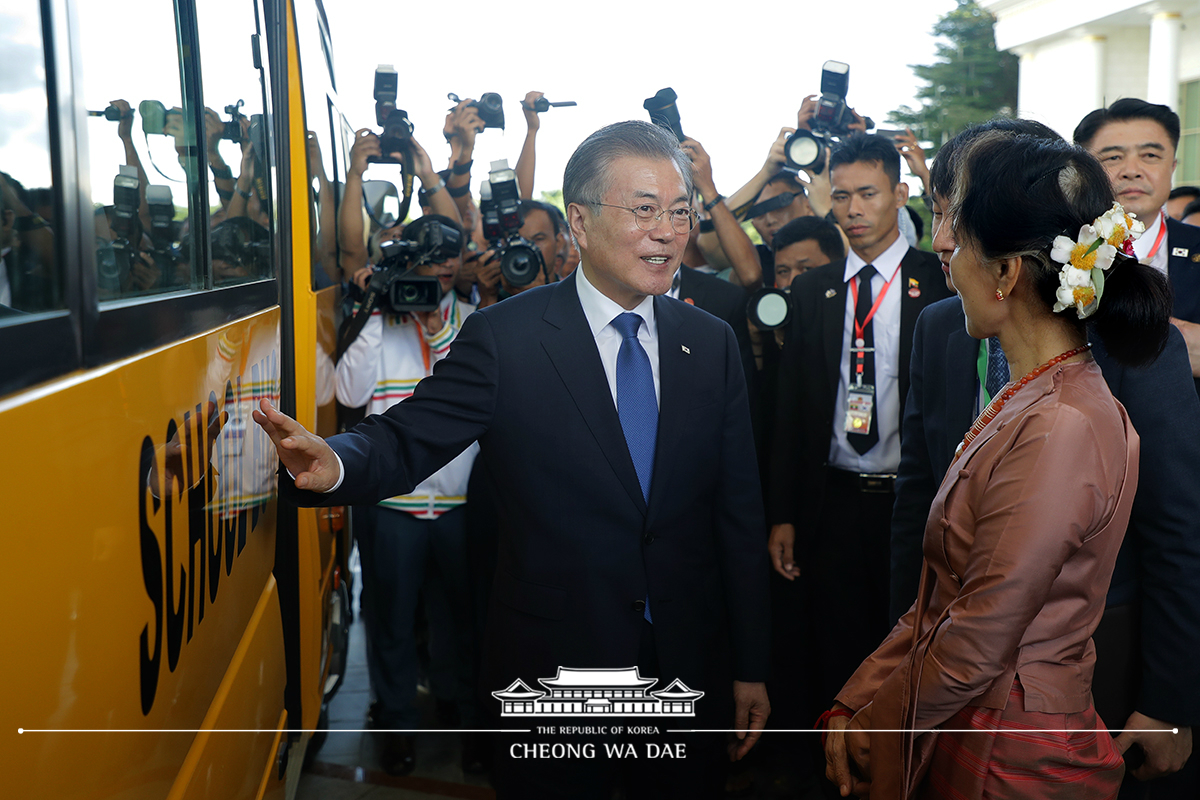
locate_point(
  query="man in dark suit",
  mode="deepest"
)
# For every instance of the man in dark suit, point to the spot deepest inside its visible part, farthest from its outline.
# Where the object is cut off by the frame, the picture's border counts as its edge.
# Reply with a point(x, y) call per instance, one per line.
point(1153, 611)
point(614, 428)
point(843, 375)
point(1136, 142)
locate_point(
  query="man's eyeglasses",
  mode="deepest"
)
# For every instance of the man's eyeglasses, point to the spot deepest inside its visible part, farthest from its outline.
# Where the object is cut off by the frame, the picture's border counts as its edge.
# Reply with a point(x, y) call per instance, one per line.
point(648, 216)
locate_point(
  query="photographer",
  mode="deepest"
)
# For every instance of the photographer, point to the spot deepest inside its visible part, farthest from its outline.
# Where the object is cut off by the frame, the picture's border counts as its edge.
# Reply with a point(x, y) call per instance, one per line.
point(462, 125)
point(352, 243)
point(416, 541)
point(747, 269)
point(528, 158)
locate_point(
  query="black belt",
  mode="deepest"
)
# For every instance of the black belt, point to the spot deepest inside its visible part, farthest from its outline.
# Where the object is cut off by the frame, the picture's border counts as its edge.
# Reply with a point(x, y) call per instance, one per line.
point(872, 482)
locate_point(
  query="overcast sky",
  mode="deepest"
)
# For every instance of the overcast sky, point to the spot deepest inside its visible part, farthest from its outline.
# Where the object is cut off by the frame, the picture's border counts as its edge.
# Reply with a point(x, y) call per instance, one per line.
point(740, 69)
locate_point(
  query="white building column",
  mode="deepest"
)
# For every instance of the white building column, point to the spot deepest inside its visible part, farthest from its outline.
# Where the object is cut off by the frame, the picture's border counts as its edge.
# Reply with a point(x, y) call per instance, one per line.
point(1163, 84)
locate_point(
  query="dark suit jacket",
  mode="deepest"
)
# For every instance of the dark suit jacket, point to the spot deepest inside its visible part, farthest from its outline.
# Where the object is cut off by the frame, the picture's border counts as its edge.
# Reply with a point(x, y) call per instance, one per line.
point(1160, 558)
point(1184, 272)
point(578, 547)
point(725, 301)
point(808, 376)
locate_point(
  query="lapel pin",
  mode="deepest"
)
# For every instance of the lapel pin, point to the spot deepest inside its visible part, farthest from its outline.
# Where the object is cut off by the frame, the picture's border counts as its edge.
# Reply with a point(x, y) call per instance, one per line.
point(830, 293)
point(1196, 258)
point(1179, 251)
point(689, 301)
point(914, 287)
point(685, 349)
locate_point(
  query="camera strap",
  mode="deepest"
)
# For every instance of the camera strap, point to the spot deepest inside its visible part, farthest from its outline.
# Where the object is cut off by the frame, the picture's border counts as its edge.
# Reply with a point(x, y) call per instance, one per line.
point(782, 200)
point(352, 326)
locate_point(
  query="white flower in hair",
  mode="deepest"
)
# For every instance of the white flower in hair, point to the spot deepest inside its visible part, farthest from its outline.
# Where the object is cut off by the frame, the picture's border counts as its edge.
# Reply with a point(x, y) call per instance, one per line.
point(1085, 260)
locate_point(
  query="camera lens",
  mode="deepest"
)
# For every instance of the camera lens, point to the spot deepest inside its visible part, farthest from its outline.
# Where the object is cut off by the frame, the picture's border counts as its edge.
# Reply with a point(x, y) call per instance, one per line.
point(769, 309)
point(409, 293)
point(803, 150)
point(521, 264)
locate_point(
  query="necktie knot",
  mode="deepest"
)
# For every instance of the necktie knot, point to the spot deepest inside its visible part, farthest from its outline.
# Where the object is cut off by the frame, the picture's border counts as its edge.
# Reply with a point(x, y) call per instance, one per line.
point(866, 273)
point(627, 324)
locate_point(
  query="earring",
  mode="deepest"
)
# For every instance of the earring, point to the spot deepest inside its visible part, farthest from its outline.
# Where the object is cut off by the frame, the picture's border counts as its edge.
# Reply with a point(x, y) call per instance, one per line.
point(999, 295)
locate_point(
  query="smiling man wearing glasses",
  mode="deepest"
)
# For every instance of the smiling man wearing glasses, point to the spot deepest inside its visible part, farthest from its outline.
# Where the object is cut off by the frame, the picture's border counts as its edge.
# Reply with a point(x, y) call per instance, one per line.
point(614, 426)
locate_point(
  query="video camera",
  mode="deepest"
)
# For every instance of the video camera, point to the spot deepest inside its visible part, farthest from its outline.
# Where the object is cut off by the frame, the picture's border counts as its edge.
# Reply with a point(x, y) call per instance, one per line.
point(397, 128)
point(490, 107)
point(233, 128)
point(805, 149)
point(664, 112)
point(399, 288)
point(112, 113)
point(500, 209)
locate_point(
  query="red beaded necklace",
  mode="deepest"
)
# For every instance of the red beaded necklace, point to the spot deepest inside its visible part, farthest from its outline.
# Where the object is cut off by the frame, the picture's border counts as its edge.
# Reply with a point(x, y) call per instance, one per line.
point(998, 402)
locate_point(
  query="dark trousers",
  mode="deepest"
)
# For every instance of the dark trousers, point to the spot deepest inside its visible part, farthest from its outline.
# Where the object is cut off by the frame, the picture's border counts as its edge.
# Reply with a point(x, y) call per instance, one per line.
point(845, 565)
point(401, 556)
point(1114, 690)
point(518, 774)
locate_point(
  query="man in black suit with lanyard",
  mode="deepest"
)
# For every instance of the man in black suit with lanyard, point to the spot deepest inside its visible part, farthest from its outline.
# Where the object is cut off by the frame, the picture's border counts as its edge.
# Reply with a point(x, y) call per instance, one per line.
point(1136, 142)
point(614, 428)
point(1153, 604)
point(842, 378)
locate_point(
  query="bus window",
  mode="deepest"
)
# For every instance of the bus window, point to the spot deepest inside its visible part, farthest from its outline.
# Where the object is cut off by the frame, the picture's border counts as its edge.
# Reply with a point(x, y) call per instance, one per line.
point(30, 278)
point(314, 68)
point(142, 150)
point(236, 144)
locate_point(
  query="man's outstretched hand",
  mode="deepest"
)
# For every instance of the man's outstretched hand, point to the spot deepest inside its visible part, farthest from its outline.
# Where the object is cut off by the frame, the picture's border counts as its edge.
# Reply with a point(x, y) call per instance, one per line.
point(305, 455)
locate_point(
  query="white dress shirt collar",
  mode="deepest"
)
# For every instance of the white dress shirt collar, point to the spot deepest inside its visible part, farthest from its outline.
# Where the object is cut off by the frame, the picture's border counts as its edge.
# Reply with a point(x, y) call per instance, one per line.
point(1143, 244)
point(885, 264)
point(601, 310)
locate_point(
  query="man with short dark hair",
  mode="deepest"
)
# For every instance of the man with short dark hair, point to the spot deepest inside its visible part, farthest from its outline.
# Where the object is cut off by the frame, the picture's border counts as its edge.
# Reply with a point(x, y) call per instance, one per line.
point(1179, 199)
point(1136, 141)
point(842, 380)
point(614, 427)
point(803, 244)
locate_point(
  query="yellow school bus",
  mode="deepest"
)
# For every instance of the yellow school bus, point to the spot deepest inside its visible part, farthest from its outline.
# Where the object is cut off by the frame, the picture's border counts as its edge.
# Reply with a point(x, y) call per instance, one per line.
point(168, 174)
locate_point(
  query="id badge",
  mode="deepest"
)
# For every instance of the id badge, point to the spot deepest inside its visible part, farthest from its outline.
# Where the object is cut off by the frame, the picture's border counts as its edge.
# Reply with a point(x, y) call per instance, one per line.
point(860, 400)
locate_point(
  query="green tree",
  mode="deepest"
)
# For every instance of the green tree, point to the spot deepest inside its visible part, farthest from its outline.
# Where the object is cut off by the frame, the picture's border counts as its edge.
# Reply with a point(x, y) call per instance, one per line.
point(970, 82)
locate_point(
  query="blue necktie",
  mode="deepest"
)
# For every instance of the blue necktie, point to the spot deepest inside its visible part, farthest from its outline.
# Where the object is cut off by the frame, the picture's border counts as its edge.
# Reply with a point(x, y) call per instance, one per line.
point(997, 368)
point(636, 404)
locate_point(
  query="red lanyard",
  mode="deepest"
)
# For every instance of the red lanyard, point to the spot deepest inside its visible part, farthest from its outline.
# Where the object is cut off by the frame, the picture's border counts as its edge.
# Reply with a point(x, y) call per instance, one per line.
point(860, 348)
point(1162, 232)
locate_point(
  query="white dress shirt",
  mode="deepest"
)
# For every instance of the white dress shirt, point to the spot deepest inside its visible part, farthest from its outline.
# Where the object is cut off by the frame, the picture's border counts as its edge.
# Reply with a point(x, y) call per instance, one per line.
point(884, 457)
point(1143, 244)
point(600, 311)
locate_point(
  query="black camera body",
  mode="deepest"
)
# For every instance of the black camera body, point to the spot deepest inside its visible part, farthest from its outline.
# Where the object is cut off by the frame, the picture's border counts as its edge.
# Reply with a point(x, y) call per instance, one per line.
point(805, 149)
point(401, 290)
point(490, 107)
point(500, 209)
point(233, 127)
point(397, 128)
point(664, 112)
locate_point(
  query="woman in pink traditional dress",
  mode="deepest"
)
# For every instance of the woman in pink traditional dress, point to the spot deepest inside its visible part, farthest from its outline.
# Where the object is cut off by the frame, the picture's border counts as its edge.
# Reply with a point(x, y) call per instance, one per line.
point(1024, 532)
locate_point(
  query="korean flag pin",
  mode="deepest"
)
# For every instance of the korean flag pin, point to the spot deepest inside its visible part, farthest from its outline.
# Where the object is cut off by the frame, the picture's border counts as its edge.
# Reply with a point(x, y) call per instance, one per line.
point(830, 293)
point(1181, 252)
point(914, 287)
point(685, 349)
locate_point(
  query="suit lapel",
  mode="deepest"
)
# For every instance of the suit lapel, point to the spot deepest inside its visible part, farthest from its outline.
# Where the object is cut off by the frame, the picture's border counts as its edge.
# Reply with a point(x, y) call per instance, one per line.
point(569, 343)
point(910, 309)
point(833, 323)
point(689, 289)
